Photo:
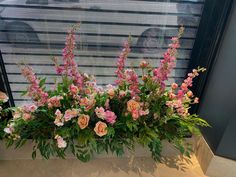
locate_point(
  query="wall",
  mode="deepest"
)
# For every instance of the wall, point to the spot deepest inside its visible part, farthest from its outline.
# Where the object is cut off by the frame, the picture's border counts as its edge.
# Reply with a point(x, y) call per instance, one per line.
point(218, 102)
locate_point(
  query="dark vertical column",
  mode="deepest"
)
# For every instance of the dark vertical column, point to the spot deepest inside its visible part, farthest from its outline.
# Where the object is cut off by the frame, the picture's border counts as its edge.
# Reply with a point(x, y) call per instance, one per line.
point(215, 50)
point(219, 98)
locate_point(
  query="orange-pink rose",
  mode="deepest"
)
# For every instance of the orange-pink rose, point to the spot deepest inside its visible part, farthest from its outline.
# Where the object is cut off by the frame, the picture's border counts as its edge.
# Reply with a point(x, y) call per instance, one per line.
point(100, 128)
point(133, 105)
point(88, 103)
point(83, 121)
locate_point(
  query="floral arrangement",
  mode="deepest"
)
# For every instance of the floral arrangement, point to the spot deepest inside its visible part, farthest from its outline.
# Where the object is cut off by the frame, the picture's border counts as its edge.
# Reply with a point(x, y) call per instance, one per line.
point(80, 116)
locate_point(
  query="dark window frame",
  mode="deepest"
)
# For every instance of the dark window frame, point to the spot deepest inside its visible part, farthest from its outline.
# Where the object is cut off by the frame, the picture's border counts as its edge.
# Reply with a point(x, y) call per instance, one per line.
point(208, 39)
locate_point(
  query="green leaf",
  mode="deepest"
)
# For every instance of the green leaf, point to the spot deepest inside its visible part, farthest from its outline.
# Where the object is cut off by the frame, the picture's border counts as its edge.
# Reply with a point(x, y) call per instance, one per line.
point(24, 93)
point(42, 82)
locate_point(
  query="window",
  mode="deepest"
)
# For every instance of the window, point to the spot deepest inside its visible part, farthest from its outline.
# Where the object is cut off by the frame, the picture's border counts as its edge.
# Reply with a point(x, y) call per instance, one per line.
point(31, 31)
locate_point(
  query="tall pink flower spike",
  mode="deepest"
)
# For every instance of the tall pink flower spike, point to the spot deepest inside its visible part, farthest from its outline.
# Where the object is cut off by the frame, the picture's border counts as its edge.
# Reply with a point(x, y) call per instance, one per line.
point(161, 73)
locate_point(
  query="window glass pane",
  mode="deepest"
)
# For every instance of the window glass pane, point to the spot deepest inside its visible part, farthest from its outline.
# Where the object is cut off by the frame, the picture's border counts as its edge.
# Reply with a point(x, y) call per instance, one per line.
point(33, 30)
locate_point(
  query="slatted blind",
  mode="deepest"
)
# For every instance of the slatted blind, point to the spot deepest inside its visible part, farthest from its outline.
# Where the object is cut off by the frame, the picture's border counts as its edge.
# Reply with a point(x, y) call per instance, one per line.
point(31, 31)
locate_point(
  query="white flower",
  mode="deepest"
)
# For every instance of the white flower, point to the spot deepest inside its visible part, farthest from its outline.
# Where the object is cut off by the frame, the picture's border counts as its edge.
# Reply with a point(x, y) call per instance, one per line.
point(61, 143)
point(7, 130)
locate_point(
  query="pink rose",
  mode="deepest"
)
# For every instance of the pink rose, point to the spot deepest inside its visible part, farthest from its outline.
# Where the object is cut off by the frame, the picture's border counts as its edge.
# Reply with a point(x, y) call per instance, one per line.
point(100, 112)
point(110, 117)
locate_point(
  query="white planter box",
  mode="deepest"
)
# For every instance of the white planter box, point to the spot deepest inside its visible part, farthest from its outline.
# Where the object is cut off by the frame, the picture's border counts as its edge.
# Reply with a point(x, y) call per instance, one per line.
point(25, 152)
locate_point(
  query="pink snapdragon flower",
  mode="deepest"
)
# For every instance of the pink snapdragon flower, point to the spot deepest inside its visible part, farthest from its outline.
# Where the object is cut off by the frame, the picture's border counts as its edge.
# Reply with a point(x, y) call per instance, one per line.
point(160, 74)
point(184, 88)
point(69, 67)
point(54, 101)
point(121, 63)
point(110, 117)
point(183, 94)
point(100, 112)
point(61, 143)
point(132, 79)
point(34, 90)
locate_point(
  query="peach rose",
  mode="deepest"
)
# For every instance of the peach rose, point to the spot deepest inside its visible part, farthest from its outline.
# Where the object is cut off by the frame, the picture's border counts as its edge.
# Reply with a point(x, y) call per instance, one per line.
point(100, 128)
point(83, 121)
point(3, 97)
point(133, 105)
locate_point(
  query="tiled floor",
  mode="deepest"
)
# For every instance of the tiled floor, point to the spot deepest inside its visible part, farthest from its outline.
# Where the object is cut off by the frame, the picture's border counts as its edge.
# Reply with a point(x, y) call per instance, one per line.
point(102, 167)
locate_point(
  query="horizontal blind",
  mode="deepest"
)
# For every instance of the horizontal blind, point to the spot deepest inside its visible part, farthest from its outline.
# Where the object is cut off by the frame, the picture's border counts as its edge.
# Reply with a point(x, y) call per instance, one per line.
point(31, 31)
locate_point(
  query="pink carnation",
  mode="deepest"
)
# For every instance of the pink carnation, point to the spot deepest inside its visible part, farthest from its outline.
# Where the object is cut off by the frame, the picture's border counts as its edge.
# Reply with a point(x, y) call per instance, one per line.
point(61, 143)
point(110, 117)
point(29, 108)
point(100, 112)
